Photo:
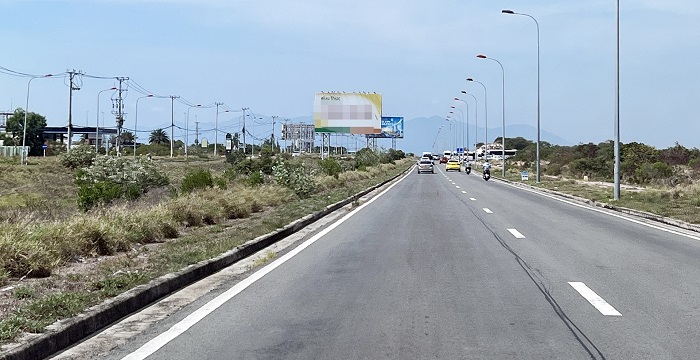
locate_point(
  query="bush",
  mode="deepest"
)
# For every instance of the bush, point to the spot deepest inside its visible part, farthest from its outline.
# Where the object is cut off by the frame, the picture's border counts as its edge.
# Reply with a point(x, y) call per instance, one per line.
point(79, 157)
point(111, 178)
point(101, 192)
point(123, 170)
point(365, 158)
point(330, 167)
point(295, 177)
point(197, 179)
point(256, 179)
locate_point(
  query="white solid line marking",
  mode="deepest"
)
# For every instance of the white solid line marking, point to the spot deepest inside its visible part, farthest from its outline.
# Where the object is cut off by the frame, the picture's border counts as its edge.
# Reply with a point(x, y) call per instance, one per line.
point(595, 300)
point(176, 330)
point(488, 211)
point(606, 212)
point(516, 233)
point(472, 199)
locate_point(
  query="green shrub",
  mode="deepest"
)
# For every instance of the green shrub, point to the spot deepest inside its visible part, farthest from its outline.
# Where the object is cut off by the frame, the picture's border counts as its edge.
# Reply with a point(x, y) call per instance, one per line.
point(295, 177)
point(221, 183)
point(79, 157)
point(101, 192)
point(123, 170)
point(196, 179)
point(330, 167)
point(235, 157)
point(256, 179)
point(366, 158)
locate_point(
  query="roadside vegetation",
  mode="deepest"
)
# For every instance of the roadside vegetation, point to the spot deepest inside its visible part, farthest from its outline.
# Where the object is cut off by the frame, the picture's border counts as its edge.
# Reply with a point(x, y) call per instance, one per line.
point(79, 228)
point(660, 181)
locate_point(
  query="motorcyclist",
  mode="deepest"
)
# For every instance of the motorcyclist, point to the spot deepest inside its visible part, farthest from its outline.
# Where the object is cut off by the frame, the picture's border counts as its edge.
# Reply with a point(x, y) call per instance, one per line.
point(487, 167)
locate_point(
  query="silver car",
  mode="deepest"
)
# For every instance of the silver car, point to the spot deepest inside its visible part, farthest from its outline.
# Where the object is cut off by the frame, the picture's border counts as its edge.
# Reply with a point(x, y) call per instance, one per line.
point(425, 165)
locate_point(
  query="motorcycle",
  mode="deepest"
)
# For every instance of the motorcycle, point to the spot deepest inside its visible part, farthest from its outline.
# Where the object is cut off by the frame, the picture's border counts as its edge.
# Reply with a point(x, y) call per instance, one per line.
point(487, 174)
point(467, 167)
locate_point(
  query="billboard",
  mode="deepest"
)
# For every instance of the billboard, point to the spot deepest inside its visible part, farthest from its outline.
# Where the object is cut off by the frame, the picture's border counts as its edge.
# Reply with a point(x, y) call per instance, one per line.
point(348, 113)
point(392, 127)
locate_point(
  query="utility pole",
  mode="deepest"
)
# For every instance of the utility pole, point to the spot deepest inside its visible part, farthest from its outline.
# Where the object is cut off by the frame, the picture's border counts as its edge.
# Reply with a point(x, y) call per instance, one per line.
point(196, 131)
point(286, 130)
point(172, 123)
point(216, 128)
point(272, 139)
point(120, 113)
point(72, 87)
point(244, 145)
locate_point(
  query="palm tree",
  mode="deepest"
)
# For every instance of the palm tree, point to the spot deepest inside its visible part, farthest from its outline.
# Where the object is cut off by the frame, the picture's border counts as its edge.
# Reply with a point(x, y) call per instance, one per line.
point(158, 136)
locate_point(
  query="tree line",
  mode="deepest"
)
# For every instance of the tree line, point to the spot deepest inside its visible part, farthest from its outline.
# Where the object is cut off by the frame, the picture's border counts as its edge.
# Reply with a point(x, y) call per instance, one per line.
point(639, 163)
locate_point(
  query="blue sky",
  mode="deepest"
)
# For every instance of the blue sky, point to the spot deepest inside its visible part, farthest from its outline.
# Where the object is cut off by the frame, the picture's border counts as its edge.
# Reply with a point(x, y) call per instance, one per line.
point(272, 56)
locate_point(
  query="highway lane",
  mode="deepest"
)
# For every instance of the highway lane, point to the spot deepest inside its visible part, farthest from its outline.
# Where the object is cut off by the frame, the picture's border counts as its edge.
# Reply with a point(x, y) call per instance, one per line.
point(649, 275)
point(425, 271)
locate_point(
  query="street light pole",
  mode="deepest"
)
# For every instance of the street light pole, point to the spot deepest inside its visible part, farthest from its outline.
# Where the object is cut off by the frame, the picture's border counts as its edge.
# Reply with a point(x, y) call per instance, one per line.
point(503, 114)
point(466, 126)
point(97, 129)
point(136, 120)
point(25, 154)
point(216, 128)
point(538, 85)
point(476, 119)
point(486, 114)
point(617, 103)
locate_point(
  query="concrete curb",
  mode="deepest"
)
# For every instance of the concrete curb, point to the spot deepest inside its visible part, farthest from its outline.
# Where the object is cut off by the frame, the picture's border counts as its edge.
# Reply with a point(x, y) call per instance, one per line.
point(65, 333)
point(637, 213)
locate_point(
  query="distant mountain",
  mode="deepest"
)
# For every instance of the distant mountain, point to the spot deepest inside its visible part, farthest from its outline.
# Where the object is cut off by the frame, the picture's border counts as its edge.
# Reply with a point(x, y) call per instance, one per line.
point(421, 134)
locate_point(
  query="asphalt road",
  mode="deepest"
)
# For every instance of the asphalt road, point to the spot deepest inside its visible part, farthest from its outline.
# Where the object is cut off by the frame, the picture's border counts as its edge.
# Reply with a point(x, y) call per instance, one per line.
point(449, 266)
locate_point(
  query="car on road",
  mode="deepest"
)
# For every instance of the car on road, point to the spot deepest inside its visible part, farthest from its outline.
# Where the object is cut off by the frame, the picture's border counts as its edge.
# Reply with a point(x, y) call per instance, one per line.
point(426, 165)
point(443, 160)
point(453, 164)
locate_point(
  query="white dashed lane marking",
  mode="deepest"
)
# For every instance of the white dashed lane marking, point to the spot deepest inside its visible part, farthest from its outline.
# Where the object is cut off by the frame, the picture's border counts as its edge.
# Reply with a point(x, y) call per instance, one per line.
point(595, 300)
point(458, 187)
point(488, 211)
point(516, 233)
point(464, 192)
point(472, 199)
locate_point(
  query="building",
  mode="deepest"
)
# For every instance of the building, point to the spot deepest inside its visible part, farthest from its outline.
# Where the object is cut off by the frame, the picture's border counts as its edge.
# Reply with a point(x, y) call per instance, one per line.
point(60, 133)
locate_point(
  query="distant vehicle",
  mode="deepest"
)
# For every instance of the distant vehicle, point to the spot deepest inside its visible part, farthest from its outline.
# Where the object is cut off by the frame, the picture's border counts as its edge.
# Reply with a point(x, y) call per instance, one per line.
point(443, 160)
point(447, 154)
point(426, 165)
point(427, 154)
point(436, 157)
point(453, 164)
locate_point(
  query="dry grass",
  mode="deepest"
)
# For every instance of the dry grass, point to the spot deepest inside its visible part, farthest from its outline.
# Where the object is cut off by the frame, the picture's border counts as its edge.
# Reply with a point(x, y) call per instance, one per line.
point(99, 254)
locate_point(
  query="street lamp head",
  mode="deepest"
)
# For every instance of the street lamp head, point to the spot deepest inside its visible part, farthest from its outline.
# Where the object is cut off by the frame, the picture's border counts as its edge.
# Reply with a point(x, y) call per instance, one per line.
point(112, 88)
point(452, 107)
point(463, 92)
point(470, 79)
point(456, 98)
point(508, 11)
point(149, 95)
point(481, 56)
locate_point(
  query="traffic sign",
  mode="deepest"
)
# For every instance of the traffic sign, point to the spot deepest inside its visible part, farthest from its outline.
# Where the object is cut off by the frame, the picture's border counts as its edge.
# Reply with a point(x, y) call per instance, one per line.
point(44, 146)
point(524, 176)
